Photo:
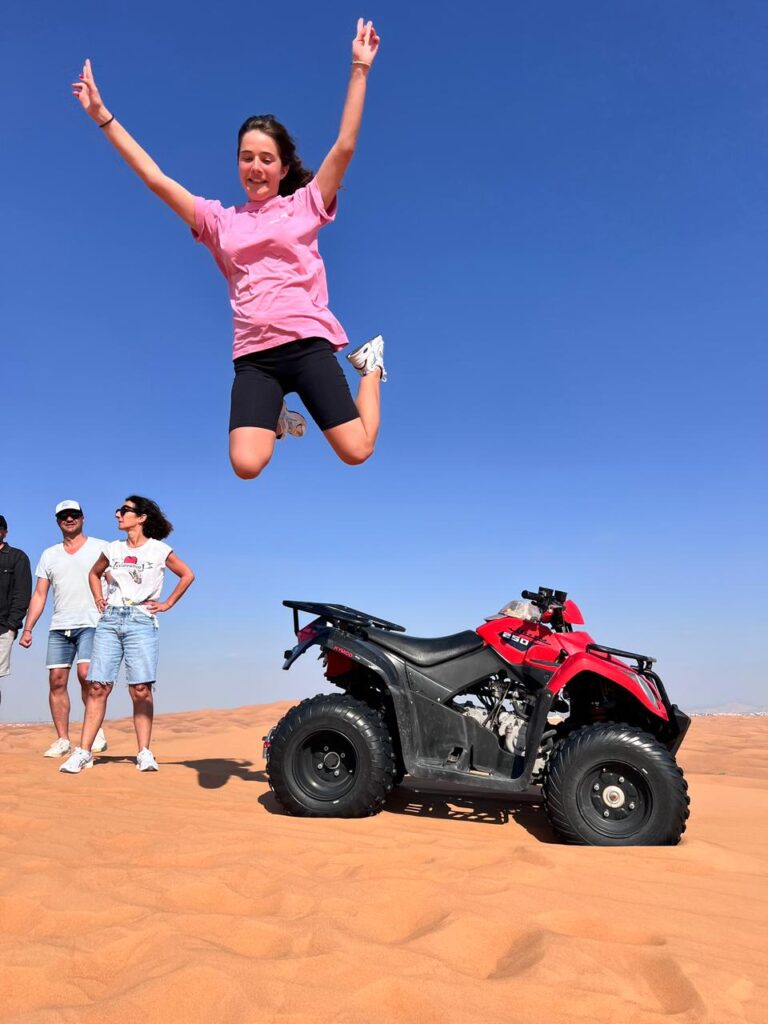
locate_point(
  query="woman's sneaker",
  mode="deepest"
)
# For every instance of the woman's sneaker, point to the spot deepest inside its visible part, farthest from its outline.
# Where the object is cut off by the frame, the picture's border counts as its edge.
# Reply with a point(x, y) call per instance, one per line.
point(77, 761)
point(100, 743)
point(145, 761)
point(369, 357)
point(60, 748)
point(292, 423)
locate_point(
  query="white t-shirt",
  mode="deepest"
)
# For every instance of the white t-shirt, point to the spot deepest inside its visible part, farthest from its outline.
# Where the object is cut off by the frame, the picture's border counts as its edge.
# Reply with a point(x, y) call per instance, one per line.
point(73, 604)
point(137, 573)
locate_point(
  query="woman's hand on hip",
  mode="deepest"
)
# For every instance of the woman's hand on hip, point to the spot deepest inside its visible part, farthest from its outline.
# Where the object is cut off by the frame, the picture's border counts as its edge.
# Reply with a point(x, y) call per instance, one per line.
point(153, 607)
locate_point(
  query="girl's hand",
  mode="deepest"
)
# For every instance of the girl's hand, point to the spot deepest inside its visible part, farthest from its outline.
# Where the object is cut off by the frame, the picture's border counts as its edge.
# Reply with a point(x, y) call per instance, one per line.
point(365, 45)
point(101, 604)
point(88, 94)
point(153, 607)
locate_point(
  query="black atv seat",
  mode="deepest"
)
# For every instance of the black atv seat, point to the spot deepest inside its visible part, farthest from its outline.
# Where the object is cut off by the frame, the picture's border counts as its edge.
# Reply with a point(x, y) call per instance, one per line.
point(426, 651)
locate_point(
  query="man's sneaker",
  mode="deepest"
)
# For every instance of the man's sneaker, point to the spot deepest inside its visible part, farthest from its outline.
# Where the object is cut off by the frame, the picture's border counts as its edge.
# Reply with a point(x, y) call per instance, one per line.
point(100, 743)
point(60, 748)
point(369, 357)
point(292, 423)
point(145, 761)
point(76, 761)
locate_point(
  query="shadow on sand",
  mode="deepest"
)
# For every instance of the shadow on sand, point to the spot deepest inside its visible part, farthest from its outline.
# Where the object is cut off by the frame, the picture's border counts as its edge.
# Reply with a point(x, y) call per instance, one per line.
point(526, 809)
point(435, 801)
point(215, 772)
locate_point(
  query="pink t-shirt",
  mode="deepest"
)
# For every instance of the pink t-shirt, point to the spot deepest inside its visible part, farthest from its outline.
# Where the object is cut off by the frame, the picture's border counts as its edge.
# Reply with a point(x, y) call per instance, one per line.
point(268, 253)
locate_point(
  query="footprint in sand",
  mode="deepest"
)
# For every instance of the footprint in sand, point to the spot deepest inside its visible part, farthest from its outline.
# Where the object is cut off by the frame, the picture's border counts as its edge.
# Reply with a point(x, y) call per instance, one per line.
point(669, 985)
point(527, 950)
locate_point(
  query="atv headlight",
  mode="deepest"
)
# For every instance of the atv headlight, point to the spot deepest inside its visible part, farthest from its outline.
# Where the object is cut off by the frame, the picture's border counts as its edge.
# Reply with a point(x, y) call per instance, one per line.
point(645, 686)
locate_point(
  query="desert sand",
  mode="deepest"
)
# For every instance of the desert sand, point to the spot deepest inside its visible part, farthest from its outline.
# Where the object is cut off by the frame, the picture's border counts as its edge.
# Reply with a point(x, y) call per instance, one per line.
point(187, 896)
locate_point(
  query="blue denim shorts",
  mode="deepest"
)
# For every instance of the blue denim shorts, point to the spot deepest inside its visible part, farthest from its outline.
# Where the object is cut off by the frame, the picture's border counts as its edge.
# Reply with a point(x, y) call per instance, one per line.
point(125, 633)
point(69, 646)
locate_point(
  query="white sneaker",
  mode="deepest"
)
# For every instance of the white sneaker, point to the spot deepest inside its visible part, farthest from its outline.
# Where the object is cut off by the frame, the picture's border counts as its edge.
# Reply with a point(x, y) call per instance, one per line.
point(77, 761)
point(100, 743)
point(369, 357)
point(292, 423)
point(59, 749)
point(145, 761)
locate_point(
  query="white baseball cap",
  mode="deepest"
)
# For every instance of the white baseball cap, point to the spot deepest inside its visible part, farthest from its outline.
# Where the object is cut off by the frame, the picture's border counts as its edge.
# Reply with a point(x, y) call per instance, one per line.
point(67, 506)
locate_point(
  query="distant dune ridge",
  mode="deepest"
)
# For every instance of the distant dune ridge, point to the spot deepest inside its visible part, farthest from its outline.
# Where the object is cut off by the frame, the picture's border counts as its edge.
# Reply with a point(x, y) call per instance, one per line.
point(186, 896)
point(733, 707)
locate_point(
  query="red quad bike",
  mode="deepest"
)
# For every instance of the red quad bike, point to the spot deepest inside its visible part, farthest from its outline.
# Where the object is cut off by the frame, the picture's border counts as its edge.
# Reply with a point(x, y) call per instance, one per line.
point(522, 701)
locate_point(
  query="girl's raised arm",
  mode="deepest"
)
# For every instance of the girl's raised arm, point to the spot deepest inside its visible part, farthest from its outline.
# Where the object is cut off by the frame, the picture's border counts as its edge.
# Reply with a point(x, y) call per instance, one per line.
point(365, 46)
point(171, 192)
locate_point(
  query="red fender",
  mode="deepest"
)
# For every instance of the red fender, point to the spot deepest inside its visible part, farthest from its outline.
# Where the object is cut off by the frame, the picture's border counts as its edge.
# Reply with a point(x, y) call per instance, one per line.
point(641, 688)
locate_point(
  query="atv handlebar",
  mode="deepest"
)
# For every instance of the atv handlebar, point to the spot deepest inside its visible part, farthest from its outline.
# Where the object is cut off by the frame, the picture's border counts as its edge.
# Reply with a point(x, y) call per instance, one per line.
point(546, 599)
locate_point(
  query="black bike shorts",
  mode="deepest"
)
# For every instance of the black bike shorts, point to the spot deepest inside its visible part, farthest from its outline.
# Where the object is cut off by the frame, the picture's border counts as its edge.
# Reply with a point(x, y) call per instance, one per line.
point(309, 367)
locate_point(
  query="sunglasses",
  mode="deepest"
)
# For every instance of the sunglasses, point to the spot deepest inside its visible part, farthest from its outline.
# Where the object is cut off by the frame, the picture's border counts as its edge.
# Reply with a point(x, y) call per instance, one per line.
point(68, 515)
point(126, 508)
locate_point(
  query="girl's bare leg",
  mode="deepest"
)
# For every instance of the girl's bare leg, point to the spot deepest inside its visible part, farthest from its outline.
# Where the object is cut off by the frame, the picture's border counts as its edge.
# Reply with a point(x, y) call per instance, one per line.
point(250, 449)
point(354, 442)
point(144, 708)
point(95, 709)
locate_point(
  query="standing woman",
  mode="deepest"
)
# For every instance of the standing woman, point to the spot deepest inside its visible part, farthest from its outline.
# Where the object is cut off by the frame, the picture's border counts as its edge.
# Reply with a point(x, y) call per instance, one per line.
point(285, 336)
point(128, 626)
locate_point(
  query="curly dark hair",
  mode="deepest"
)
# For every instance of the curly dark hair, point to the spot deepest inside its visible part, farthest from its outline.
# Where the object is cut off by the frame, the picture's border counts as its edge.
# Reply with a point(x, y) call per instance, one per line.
point(156, 526)
point(298, 175)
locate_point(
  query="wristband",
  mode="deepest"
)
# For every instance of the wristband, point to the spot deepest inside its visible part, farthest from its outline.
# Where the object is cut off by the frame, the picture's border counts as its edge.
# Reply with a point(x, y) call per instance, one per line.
point(108, 121)
point(361, 63)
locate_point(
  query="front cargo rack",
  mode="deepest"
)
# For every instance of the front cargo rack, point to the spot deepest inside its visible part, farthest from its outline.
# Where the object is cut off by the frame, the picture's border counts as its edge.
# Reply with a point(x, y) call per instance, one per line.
point(338, 614)
point(644, 662)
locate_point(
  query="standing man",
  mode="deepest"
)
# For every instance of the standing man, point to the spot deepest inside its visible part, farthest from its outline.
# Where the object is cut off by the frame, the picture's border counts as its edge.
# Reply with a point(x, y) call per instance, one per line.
point(66, 566)
point(15, 588)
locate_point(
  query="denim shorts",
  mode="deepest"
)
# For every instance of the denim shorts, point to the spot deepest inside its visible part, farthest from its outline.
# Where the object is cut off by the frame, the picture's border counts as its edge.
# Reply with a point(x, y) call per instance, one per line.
point(125, 633)
point(66, 646)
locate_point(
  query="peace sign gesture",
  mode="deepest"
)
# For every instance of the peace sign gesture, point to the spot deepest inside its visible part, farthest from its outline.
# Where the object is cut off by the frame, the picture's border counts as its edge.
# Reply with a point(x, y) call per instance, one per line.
point(365, 45)
point(87, 92)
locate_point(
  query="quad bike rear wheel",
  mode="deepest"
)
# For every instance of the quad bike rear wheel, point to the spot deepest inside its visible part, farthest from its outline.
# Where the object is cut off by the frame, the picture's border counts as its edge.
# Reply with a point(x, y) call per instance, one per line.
point(615, 785)
point(331, 757)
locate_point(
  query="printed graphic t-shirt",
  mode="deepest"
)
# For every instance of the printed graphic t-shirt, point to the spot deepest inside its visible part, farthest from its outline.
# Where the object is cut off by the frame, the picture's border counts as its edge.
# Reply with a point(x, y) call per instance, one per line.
point(137, 573)
point(73, 604)
point(269, 255)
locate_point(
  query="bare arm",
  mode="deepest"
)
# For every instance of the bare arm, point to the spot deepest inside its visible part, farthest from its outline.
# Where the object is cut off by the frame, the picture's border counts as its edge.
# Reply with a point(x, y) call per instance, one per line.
point(171, 192)
point(186, 579)
point(100, 566)
point(365, 46)
point(36, 606)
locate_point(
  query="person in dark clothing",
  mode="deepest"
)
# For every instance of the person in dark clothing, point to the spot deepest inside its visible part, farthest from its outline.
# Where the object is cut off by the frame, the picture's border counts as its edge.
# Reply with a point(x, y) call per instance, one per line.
point(15, 592)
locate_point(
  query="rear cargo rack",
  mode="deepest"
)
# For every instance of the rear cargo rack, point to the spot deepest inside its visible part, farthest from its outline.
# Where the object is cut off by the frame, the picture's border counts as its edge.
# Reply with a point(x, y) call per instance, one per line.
point(339, 613)
point(643, 661)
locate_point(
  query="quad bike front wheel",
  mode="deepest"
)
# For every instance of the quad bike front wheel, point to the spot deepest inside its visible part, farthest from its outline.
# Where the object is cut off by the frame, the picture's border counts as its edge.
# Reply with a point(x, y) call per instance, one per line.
point(331, 757)
point(615, 785)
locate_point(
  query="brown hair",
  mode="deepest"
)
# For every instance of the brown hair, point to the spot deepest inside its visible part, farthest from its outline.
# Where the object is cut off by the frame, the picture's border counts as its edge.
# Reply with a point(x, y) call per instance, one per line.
point(297, 175)
point(155, 525)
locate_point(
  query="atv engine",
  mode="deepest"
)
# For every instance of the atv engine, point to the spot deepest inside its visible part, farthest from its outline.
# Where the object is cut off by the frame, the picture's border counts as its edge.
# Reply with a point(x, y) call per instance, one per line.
point(505, 709)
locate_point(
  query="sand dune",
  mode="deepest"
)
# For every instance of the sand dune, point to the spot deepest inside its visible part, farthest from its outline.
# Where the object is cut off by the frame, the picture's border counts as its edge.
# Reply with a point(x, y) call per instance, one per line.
point(186, 896)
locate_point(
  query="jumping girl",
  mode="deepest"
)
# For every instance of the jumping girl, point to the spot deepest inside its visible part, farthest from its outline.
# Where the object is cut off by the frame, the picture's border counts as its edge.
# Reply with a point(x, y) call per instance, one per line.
point(285, 336)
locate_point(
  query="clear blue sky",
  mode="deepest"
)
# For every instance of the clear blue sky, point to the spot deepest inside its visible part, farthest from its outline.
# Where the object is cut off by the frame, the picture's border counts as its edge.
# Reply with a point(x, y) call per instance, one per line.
point(556, 217)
